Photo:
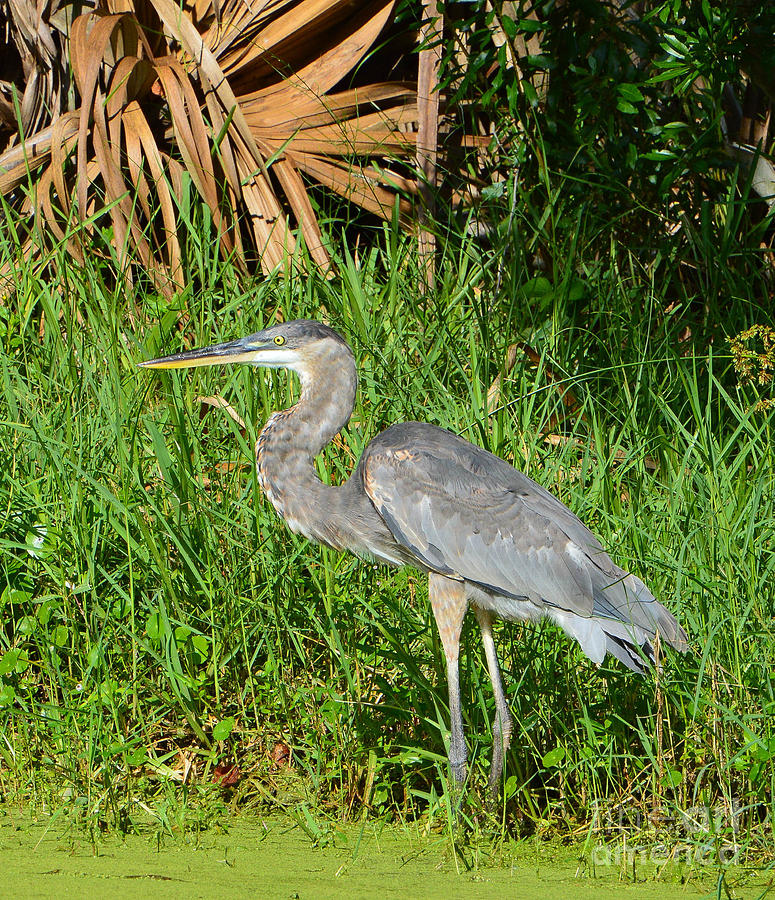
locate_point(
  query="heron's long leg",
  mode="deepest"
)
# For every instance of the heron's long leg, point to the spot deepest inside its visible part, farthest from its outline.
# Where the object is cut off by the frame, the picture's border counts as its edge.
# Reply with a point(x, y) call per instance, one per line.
point(449, 604)
point(503, 723)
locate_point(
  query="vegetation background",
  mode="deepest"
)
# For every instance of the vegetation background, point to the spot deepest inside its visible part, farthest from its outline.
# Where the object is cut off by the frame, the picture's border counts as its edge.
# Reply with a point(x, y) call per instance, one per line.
point(168, 649)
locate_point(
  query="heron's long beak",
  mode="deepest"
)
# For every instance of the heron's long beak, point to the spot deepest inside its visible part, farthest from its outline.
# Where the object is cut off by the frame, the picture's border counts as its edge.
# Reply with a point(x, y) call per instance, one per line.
point(239, 351)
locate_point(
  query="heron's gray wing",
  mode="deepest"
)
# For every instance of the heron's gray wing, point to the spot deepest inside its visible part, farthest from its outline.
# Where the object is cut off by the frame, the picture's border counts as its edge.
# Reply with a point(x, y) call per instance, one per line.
point(468, 514)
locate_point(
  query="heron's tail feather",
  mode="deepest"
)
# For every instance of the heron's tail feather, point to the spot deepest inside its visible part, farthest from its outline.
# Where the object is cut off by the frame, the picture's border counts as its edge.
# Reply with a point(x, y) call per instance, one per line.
point(625, 619)
point(626, 599)
point(628, 654)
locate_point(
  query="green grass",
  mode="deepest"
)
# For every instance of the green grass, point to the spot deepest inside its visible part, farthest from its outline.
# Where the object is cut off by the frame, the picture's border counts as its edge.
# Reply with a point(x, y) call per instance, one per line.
point(159, 621)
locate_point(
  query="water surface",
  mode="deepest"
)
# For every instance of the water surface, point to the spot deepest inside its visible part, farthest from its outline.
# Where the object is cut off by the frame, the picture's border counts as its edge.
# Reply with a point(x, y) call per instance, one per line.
point(275, 858)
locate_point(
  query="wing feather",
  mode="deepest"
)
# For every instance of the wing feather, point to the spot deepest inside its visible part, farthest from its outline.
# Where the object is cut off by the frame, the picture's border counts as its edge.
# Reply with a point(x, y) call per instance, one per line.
point(468, 514)
point(464, 512)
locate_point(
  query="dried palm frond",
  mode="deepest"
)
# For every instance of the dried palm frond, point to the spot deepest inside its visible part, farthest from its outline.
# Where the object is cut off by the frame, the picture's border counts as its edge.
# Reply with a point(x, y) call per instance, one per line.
point(39, 35)
point(237, 96)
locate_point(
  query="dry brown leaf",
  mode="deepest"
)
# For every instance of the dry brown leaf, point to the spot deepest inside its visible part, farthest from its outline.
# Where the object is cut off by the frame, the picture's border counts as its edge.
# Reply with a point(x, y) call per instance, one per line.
point(218, 402)
point(239, 96)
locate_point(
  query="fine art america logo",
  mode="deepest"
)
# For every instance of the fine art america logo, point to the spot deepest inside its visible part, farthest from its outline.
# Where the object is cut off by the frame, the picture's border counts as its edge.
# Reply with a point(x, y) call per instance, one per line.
point(699, 835)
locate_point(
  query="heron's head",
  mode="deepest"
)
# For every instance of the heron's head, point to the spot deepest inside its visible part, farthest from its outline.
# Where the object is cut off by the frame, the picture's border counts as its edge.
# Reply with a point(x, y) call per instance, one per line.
point(301, 345)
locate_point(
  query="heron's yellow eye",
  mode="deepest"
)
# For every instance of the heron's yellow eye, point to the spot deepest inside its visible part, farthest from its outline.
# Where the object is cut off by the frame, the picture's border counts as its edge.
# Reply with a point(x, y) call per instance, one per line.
point(279, 340)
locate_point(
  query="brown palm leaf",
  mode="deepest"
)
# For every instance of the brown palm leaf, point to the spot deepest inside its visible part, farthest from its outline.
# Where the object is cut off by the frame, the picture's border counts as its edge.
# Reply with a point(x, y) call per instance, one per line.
point(237, 97)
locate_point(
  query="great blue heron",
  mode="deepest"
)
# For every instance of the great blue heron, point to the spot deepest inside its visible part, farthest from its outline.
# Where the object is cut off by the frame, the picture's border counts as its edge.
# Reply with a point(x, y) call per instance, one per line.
point(486, 534)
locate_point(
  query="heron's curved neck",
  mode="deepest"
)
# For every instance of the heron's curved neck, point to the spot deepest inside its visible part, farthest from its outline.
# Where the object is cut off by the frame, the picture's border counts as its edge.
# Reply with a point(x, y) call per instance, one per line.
point(292, 438)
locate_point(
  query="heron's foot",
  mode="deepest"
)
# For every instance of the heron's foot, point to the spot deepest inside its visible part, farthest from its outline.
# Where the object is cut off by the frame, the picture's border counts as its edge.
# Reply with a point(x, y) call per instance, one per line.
point(457, 756)
point(457, 789)
point(495, 780)
point(501, 738)
point(493, 803)
point(458, 772)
